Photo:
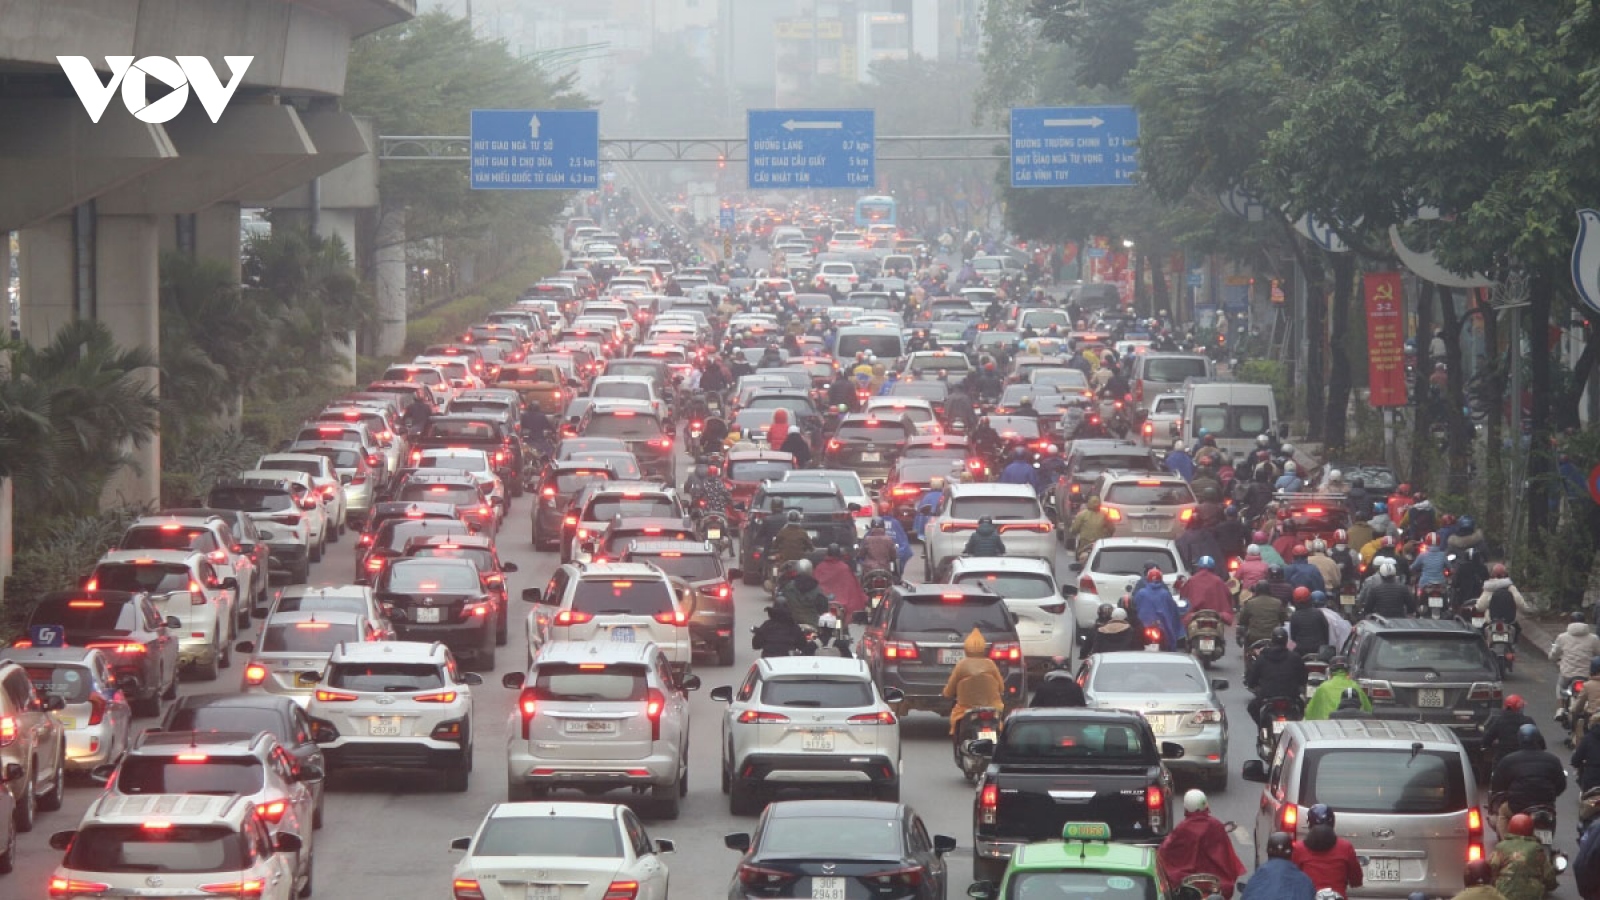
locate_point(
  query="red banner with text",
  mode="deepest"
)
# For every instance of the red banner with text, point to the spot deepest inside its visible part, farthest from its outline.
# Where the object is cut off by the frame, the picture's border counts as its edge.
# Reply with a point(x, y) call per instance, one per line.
point(1386, 339)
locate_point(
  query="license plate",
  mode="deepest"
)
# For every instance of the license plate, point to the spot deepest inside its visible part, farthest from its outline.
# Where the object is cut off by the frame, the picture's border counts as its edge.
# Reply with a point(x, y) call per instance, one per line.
point(1544, 836)
point(1501, 638)
point(67, 722)
point(543, 892)
point(1382, 868)
point(1432, 697)
point(1158, 724)
point(590, 726)
point(1207, 644)
point(427, 615)
point(951, 655)
point(383, 726)
point(1347, 600)
point(817, 740)
point(827, 889)
point(1277, 726)
point(1152, 525)
point(1436, 603)
point(988, 734)
point(870, 457)
point(713, 534)
point(306, 679)
point(622, 634)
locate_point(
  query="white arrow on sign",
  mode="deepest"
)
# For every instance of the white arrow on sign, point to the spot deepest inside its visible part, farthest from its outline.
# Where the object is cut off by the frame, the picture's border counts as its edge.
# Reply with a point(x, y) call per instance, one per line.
point(792, 125)
point(533, 127)
point(1092, 122)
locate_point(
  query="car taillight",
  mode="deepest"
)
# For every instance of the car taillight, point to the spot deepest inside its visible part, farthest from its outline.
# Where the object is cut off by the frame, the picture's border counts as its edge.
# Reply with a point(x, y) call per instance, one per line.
point(254, 674)
point(1005, 651)
point(1086, 583)
point(989, 803)
point(71, 887)
point(436, 697)
point(1379, 690)
point(97, 708)
point(570, 520)
point(1288, 818)
point(621, 890)
point(334, 697)
point(272, 812)
point(901, 650)
point(957, 526)
point(1206, 717)
point(672, 617)
point(365, 540)
point(1155, 805)
point(1149, 429)
point(374, 564)
point(760, 880)
point(218, 556)
point(1474, 835)
point(724, 591)
point(467, 889)
point(500, 456)
point(1112, 513)
point(894, 880)
point(905, 490)
point(654, 706)
point(121, 647)
point(548, 493)
point(1186, 515)
point(527, 705)
point(661, 443)
point(1484, 691)
point(573, 617)
point(757, 717)
point(8, 730)
point(882, 717)
point(249, 889)
point(834, 443)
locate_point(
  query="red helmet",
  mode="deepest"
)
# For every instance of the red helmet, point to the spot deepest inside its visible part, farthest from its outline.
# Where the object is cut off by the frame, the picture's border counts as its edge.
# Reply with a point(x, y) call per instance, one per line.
point(1341, 536)
point(1515, 703)
point(1431, 539)
point(1259, 537)
point(1299, 550)
point(1498, 570)
point(1301, 594)
point(1403, 490)
point(1521, 824)
point(1153, 575)
point(1447, 519)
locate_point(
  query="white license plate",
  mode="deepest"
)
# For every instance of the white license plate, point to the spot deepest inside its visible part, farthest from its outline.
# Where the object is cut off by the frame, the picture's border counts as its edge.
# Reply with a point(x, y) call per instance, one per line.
point(427, 615)
point(1436, 602)
point(383, 726)
point(590, 726)
point(870, 457)
point(1277, 726)
point(988, 734)
point(1158, 724)
point(1501, 638)
point(1152, 525)
point(1207, 644)
point(543, 892)
point(67, 722)
point(1431, 697)
point(1544, 836)
point(951, 655)
point(623, 634)
point(827, 889)
point(817, 740)
point(713, 534)
point(1382, 868)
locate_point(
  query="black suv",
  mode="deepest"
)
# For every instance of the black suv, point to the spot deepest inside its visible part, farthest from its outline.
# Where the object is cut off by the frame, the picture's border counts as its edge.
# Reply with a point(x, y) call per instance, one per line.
point(823, 514)
point(915, 636)
point(1426, 670)
point(648, 438)
point(868, 443)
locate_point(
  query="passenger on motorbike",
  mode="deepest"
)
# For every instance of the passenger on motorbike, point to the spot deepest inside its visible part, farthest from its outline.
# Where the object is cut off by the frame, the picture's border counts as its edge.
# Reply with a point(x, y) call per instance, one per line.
point(1253, 568)
point(802, 596)
point(1091, 524)
point(985, 541)
point(838, 580)
point(1058, 689)
point(1115, 633)
point(1279, 878)
point(1523, 869)
point(1479, 879)
point(1199, 845)
point(1389, 597)
point(536, 428)
point(1205, 591)
point(779, 635)
point(1328, 860)
point(1329, 695)
point(1020, 470)
point(1501, 728)
point(1308, 627)
point(931, 498)
point(975, 682)
point(1301, 573)
point(1586, 758)
point(1277, 672)
point(1153, 604)
point(1528, 776)
point(1571, 652)
point(1501, 600)
point(709, 491)
point(1587, 701)
point(878, 549)
point(418, 412)
point(1339, 627)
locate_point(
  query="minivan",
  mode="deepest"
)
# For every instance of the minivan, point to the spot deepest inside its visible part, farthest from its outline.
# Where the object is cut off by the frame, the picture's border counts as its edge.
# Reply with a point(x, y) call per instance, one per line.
point(1155, 373)
point(1233, 412)
point(1402, 790)
point(882, 341)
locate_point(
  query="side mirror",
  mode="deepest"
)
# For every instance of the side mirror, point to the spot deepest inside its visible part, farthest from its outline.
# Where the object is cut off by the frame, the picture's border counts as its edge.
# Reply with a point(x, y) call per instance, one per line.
point(982, 890)
point(513, 680)
point(1219, 684)
point(1171, 750)
point(324, 734)
point(981, 747)
point(1075, 567)
point(284, 842)
point(859, 617)
point(15, 772)
point(739, 841)
point(230, 583)
point(531, 595)
point(689, 683)
point(1254, 770)
point(61, 840)
point(461, 843)
point(722, 693)
point(735, 574)
point(173, 622)
point(508, 567)
point(1068, 591)
point(471, 679)
point(347, 478)
point(665, 846)
point(893, 695)
point(245, 647)
point(943, 843)
point(54, 702)
point(311, 773)
point(98, 774)
point(854, 507)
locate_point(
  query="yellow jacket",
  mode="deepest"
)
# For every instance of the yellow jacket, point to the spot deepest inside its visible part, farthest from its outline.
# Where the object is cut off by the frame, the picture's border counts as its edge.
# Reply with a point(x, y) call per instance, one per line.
point(975, 682)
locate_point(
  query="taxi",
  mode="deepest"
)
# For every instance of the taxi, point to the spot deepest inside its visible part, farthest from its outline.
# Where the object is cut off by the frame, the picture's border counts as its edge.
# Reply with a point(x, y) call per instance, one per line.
point(1085, 863)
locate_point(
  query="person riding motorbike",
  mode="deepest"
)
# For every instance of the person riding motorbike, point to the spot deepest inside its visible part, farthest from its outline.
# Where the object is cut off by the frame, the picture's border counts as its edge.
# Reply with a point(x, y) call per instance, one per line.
point(1523, 869)
point(1301, 573)
point(985, 541)
point(709, 491)
point(1478, 877)
point(1198, 539)
point(1586, 757)
point(1058, 689)
point(792, 542)
point(1328, 696)
point(1091, 524)
point(417, 414)
point(1308, 627)
point(1465, 537)
point(1199, 845)
point(1501, 728)
point(1260, 615)
point(975, 682)
point(1115, 634)
point(1206, 591)
point(1339, 627)
point(932, 497)
point(1290, 481)
point(1389, 597)
point(1328, 860)
point(1252, 569)
point(1279, 878)
point(1153, 604)
point(536, 428)
point(1586, 703)
point(837, 579)
point(1571, 652)
point(1526, 777)
point(1501, 600)
point(1020, 470)
point(802, 596)
point(878, 550)
point(1277, 672)
point(779, 635)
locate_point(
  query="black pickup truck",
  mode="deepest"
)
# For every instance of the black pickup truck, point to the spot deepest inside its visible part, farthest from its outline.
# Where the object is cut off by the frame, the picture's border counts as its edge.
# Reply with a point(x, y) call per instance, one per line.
point(823, 514)
point(1053, 766)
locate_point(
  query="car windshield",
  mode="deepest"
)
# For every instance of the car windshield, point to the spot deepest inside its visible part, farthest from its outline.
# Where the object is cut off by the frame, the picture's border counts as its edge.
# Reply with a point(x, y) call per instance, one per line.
point(1011, 508)
point(1231, 421)
point(80, 616)
point(1382, 781)
point(590, 683)
point(624, 464)
point(1072, 883)
point(307, 637)
point(805, 503)
point(1441, 654)
point(189, 773)
point(1150, 493)
point(1146, 677)
point(291, 465)
point(759, 469)
point(817, 693)
point(1072, 739)
point(247, 499)
point(166, 537)
point(1093, 465)
point(935, 614)
point(248, 719)
point(622, 597)
point(1133, 561)
point(459, 494)
point(70, 683)
point(1012, 585)
point(630, 426)
point(385, 678)
point(419, 577)
point(688, 566)
point(1174, 369)
point(155, 578)
point(134, 848)
point(828, 837)
point(655, 506)
point(555, 837)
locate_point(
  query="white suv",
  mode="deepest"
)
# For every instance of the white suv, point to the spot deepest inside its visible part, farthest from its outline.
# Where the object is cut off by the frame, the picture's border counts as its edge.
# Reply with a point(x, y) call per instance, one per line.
point(1047, 629)
point(1116, 562)
point(323, 477)
point(801, 721)
point(191, 844)
point(310, 499)
point(597, 716)
point(184, 584)
point(1027, 532)
point(627, 602)
point(214, 537)
point(395, 704)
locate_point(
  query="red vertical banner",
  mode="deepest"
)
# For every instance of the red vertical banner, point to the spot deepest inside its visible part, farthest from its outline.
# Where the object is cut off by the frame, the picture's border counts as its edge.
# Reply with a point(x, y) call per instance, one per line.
point(1386, 339)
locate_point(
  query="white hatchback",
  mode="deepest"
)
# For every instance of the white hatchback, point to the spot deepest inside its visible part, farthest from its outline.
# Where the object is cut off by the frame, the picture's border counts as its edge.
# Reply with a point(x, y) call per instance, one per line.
point(918, 410)
point(1117, 562)
point(1024, 528)
point(547, 851)
point(1048, 631)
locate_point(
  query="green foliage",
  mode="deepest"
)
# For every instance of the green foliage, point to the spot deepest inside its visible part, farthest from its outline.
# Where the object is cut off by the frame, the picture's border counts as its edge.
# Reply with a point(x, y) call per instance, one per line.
point(1266, 371)
point(188, 476)
point(1561, 564)
point(446, 321)
point(61, 550)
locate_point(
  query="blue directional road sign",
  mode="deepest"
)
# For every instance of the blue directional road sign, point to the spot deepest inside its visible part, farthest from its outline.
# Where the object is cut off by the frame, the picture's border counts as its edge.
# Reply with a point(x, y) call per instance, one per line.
point(1074, 146)
point(812, 148)
point(535, 149)
point(725, 222)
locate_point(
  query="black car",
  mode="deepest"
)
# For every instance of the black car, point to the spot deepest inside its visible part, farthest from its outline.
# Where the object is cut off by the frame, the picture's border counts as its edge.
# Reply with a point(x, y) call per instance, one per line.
point(914, 638)
point(556, 487)
point(480, 551)
point(139, 642)
point(868, 443)
point(445, 600)
point(252, 714)
point(823, 514)
point(476, 432)
point(840, 848)
point(647, 437)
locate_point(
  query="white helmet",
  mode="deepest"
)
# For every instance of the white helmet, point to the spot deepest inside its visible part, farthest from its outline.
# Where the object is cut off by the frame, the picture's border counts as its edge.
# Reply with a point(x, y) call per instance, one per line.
point(1386, 567)
point(1335, 475)
point(1287, 450)
point(1195, 800)
point(1318, 545)
point(1051, 448)
point(1289, 468)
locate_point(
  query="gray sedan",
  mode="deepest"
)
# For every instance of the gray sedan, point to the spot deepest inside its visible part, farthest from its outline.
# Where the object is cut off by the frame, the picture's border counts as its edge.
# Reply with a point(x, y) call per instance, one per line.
point(1174, 694)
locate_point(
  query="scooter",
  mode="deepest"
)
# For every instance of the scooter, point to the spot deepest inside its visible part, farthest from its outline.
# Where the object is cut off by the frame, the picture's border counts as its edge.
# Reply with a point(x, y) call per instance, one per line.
point(1276, 712)
point(980, 724)
point(1198, 886)
point(1433, 602)
point(1568, 691)
point(833, 631)
point(1502, 643)
point(1206, 637)
point(714, 531)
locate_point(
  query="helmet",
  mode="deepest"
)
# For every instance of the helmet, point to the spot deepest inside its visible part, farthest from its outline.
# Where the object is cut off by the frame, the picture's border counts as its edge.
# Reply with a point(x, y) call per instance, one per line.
point(1205, 432)
point(936, 483)
point(1528, 737)
point(1280, 845)
point(1477, 872)
point(1195, 800)
point(1301, 594)
point(1341, 536)
point(1153, 574)
point(803, 567)
point(1431, 539)
point(1388, 540)
point(1025, 401)
point(1386, 568)
point(986, 520)
point(1576, 617)
point(1521, 825)
point(1289, 468)
point(1280, 637)
point(1299, 550)
point(1339, 664)
point(1287, 450)
point(1275, 573)
point(1058, 675)
point(1498, 570)
point(1020, 452)
point(794, 516)
point(1206, 562)
point(1051, 449)
point(835, 551)
point(1403, 490)
point(1177, 445)
point(1260, 537)
point(1319, 598)
point(1263, 440)
point(1335, 475)
point(1320, 814)
point(1515, 703)
point(1103, 613)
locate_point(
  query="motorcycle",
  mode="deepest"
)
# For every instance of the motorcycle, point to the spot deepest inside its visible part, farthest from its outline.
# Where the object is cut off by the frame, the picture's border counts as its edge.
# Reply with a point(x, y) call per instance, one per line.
point(1433, 602)
point(876, 585)
point(714, 531)
point(1316, 669)
point(833, 631)
point(980, 724)
point(1568, 690)
point(1153, 638)
point(1206, 637)
point(1502, 643)
point(1198, 886)
point(1276, 712)
point(1348, 591)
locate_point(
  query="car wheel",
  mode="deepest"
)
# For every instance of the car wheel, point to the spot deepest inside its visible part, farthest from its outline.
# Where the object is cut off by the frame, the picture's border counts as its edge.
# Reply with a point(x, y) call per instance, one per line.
point(225, 652)
point(27, 808)
point(315, 553)
point(725, 653)
point(502, 632)
point(1219, 780)
point(207, 671)
point(457, 777)
point(485, 657)
point(302, 571)
point(987, 869)
point(316, 814)
point(742, 800)
point(51, 800)
point(751, 575)
point(241, 618)
point(665, 801)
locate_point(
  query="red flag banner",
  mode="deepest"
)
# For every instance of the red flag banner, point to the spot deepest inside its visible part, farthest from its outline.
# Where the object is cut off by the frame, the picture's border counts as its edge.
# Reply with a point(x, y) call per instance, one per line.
point(1386, 354)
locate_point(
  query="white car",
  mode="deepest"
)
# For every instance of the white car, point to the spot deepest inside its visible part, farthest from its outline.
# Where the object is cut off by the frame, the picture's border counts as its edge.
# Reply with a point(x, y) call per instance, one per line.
point(1048, 631)
point(850, 487)
point(627, 602)
point(1164, 420)
point(184, 584)
point(474, 462)
point(1024, 528)
point(917, 409)
point(806, 721)
point(310, 502)
point(294, 648)
point(841, 276)
point(1116, 562)
point(547, 851)
point(323, 476)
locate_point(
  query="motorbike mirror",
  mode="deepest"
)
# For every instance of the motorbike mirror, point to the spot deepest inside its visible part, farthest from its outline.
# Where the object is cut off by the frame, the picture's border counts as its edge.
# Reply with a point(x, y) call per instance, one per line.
point(1219, 684)
point(981, 747)
point(1254, 770)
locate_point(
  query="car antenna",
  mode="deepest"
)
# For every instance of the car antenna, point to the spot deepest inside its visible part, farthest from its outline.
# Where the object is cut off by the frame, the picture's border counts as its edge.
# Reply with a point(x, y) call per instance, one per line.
point(1416, 748)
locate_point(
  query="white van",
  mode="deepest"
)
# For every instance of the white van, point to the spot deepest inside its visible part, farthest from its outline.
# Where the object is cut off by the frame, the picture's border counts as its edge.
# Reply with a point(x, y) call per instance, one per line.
point(1234, 412)
point(882, 340)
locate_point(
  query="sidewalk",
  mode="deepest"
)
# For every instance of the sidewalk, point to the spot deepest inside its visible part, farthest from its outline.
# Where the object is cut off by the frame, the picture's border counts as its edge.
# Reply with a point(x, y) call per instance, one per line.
point(1540, 634)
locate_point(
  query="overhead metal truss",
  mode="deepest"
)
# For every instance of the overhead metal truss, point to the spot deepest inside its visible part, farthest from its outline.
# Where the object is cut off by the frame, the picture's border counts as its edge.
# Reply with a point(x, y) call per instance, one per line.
point(893, 148)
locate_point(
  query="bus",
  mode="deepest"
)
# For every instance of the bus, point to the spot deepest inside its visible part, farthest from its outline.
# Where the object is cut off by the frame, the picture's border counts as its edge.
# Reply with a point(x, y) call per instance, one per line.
point(875, 211)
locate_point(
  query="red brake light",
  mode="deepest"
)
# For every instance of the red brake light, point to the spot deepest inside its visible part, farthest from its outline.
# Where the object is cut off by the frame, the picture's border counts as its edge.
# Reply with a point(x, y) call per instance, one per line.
point(467, 889)
point(85, 604)
point(653, 708)
point(97, 708)
point(71, 887)
point(1288, 818)
point(622, 890)
point(8, 730)
point(672, 618)
point(334, 697)
point(901, 650)
point(1474, 835)
point(254, 674)
point(437, 697)
point(272, 812)
point(573, 617)
point(989, 803)
point(882, 717)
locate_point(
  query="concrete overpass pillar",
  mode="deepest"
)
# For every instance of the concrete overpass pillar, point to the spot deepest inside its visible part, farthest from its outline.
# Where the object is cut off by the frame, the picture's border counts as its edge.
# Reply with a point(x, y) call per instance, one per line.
point(341, 223)
point(127, 301)
point(216, 236)
point(48, 278)
point(389, 278)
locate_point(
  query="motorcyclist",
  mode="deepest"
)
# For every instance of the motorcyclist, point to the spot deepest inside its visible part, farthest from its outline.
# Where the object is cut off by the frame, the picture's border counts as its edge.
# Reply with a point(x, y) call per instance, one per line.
point(1179, 462)
point(837, 579)
point(1572, 650)
point(985, 541)
point(1523, 869)
point(1343, 556)
point(1356, 499)
point(1199, 845)
point(1278, 585)
point(1260, 615)
point(1289, 482)
point(536, 427)
point(878, 550)
point(1428, 570)
point(1301, 573)
point(1325, 566)
point(1465, 537)
point(1089, 525)
point(779, 635)
point(710, 492)
point(1058, 689)
point(930, 498)
point(1328, 860)
point(771, 357)
point(1389, 597)
point(1528, 776)
point(1501, 727)
point(1339, 627)
point(975, 682)
point(1115, 634)
point(1586, 703)
point(1279, 878)
point(803, 596)
point(1277, 672)
point(1153, 604)
point(1586, 757)
point(1197, 540)
point(1479, 879)
point(842, 392)
point(1205, 590)
point(1020, 470)
point(792, 541)
point(1308, 627)
point(1467, 576)
point(1252, 569)
point(1329, 696)
point(418, 412)
point(1501, 600)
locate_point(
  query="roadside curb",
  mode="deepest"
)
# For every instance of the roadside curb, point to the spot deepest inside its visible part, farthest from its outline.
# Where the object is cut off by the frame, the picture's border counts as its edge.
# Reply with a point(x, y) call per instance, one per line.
point(1538, 634)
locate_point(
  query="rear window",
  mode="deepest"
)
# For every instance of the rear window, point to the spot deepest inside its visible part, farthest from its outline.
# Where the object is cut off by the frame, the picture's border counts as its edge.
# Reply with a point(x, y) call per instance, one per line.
point(307, 637)
point(872, 430)
point(1442, 655)
point(331, 433)
point(934, 614)
point(70, 683)
point(466, 431)
point(529, 375)
point(956, 362)
point(1231, 421)
point(1146, 677)
point(407, 577)
point(1132, 561)
point(1013, 508)
point(805, 503)
point(249, 719)
point(461, 462)
point(156, 578)
point(814, 836)
point(1074, 739)
point(1174, 369)
point(688, 566)
point(1067, 883)
point(914, 413)
point(1383, 782)
point(1012, 585)
point(591, 682)
point(1044, 318)
point(393, 534)
point(759, 469)
point(481, 557)
point(382, 677)
point(87, 616)
point(181, 848)
point(1097, 463)
point(882, 345)
point(569, 483)
point(290, 465)
point(549, 836)
point(419, 376)
point(817, 694)
point(460, 495)
point(341, 459)
point(247, 499)
point(233, 774)
point(625, 390)
point(1155, 494)
point(165, 538)
point(635, 427)
point(603, 509)
point(622, 596)
point(1023, 427)
point(321, 601)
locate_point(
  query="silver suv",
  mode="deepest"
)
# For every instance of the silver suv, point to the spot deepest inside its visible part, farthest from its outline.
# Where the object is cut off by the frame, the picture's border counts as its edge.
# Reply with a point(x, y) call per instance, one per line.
point(31, 737)
point(624, 602)
point(598, 716)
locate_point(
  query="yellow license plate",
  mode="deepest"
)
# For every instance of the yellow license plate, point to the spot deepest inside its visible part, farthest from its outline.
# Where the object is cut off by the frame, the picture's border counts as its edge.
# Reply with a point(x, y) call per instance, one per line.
point(67, 722)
